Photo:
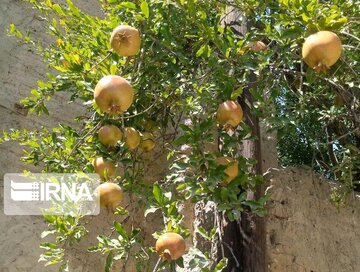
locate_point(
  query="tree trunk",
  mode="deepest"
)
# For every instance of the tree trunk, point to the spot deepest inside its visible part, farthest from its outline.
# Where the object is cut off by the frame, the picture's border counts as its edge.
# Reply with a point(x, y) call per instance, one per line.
point(244, 241)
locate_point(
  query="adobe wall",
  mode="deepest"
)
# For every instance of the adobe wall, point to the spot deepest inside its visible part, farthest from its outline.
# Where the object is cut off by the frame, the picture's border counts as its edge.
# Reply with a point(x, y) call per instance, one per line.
point(305, 232)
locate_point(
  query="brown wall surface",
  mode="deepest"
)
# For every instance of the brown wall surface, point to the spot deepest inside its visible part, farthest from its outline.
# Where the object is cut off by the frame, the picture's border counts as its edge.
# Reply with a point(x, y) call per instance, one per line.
point(305, 232)
point(20, 68)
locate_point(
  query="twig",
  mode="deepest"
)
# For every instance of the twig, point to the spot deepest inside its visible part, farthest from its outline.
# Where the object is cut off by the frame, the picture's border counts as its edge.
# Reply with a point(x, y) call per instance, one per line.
point(98, 63)
point(144, 111)
point(330, 148)
point(232, 253)
point(126, 260)
point(343, 136)
point(301, 77)
point(82, 139)
point(157, 265)
point(351, 35)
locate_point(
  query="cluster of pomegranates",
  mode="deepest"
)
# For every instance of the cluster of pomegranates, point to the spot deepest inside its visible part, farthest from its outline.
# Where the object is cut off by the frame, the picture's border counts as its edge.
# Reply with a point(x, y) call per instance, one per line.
point(114, 95)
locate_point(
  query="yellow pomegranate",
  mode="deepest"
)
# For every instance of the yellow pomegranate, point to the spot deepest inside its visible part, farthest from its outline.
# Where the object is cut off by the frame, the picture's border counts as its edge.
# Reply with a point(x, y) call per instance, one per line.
point(257, 46)
point(132, 138)
point(321, 50)
point(229, 114)
point(147, 142)
point(113, 95)
point(125, 40)
point(231, 171)
point(109, 135)
point(170, 246)
point(110, 195)
point(105, 169)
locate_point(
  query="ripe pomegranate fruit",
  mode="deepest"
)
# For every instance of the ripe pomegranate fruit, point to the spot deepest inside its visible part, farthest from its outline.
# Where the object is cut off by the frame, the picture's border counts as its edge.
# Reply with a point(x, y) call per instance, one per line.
point(132, 138)
point(109, 135)
point(110, 195)
point(147, 142)
point(104, 169)
point(321, 50)
point(125, 40)
point(113, 95)
point(232, 170)
point(170, 246)
point(229, 114)
point(257, 46)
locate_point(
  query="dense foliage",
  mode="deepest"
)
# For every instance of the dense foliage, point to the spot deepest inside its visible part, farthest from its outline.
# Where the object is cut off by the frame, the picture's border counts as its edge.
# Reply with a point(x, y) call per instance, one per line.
point(189, 63)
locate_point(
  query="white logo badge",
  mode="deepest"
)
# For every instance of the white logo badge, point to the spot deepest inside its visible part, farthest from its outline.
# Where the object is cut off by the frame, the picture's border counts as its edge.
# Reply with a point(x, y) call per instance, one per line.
point(58, 194)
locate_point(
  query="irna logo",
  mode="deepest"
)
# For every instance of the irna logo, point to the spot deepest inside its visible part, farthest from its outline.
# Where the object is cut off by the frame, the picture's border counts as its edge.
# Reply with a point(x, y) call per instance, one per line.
point(55, 194)
point(48, 191)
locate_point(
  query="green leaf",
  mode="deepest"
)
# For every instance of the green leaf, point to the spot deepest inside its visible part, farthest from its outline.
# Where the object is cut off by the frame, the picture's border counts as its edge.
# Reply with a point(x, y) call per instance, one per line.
point(58, 9)
point(94, 249)
point(129, 5)
point(203, 233)
point(14, 31)
point(221, 265)
point(180, 262)
point(145, 9)
point(109, 262)
point(52, 262)
point(158, 193)
point(72, 8)
point(204, 50)
point(181, 140)
point(113, 69)
point(103, 239)
point(135, 232)
point(235, 94)
point(48, 246)
point(35, 93)
point(49, 218)
point(121, 230)
point(139, 17)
